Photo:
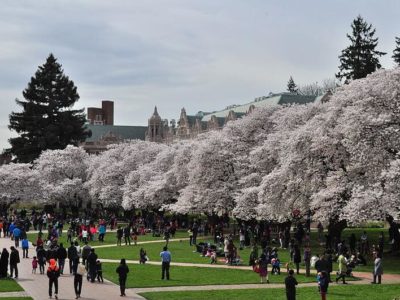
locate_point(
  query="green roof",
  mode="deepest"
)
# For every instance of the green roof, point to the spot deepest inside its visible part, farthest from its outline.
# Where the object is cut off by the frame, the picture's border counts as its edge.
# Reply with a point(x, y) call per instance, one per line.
point(123, 132)
point(282, 99)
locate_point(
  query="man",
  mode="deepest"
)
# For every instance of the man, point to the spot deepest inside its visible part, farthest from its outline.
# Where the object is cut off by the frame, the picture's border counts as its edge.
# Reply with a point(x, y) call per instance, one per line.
point(166, 260)
point(290, 284)
point(127, 235)
point(14, 261)
point(85, 253)
point(72, 257)
point(92, 267)
point(17, 235)
point(61, 255)
point(120, 233)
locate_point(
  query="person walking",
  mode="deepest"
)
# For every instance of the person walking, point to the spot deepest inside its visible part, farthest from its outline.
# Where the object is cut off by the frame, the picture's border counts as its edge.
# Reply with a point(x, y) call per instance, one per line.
point(120, 233)
point(25, 247)
point(4, 263)
point(91, 262)
point(85, 252)
point(41, 256)
point(72, 254)
point(290, 284)
point(165, 263)
point(53, 272)
point(378, 269)
point(78, 277)
point(122, 271)
point(342, 268)
point(14, 261)
point(297, 258)
point(127, 235)
point(263, 268)
point(323, 284)
point(61, 256)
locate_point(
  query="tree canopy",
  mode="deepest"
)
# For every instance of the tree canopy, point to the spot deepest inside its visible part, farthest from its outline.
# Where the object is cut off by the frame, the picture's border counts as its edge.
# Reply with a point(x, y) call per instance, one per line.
point(361, 57)
point(47, 120)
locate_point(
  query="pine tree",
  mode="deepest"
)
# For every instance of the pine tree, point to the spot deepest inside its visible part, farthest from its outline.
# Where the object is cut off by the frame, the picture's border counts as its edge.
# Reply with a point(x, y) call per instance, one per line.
point(360, 58)
point(292, 87)
point(396, 52)
point(47, 120)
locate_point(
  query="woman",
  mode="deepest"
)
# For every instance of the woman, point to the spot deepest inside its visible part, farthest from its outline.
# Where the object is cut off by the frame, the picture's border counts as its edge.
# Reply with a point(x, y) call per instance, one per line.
point(122, 271)
point(378, 270)
point(4, 263)
point(53, 272)
point(263, 268)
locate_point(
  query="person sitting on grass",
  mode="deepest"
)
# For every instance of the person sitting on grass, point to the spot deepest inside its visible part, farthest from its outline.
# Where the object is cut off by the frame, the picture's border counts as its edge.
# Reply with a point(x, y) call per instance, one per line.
point(213, 257)
point(142, 256)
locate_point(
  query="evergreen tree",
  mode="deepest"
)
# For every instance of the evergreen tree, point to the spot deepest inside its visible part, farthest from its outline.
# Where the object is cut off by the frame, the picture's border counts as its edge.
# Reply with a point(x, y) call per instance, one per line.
point(396, 52)
point(360, 58)
point(47, 120)
point(292, 87)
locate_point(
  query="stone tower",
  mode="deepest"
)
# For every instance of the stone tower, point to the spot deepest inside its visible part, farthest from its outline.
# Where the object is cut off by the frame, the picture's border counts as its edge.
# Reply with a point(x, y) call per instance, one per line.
point(155, 129)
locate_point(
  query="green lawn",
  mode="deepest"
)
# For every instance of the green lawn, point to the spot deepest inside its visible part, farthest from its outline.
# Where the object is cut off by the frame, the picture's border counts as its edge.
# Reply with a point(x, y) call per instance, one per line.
point(9, 285)
point(352, 292)
point(15, 298)
point(182, 252)
point(150, 276)
point(110, 238)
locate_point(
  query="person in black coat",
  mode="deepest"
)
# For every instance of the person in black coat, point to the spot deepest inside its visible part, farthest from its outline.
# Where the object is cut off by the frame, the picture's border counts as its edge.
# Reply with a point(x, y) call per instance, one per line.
point(73, 257)
point(14, 261)
point(61, 255)
point(290, 284)
point(92, 268)
point(297, 257)
point(41, 256)
point(4, 263)
point(122, 271)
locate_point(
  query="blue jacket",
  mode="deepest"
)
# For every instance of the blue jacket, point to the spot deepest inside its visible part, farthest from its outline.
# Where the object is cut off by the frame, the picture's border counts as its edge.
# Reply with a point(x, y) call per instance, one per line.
point(25, 243)
point(17, 232)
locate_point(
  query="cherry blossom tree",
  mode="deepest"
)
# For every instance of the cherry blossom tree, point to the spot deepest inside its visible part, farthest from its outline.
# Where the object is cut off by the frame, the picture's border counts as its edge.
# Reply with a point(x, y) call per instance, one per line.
point(18, 182)
point(62, 175)
point(108, 171)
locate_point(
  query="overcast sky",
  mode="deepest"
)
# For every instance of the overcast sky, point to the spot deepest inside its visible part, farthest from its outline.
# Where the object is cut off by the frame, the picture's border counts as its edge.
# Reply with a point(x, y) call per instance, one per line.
point(201, 55)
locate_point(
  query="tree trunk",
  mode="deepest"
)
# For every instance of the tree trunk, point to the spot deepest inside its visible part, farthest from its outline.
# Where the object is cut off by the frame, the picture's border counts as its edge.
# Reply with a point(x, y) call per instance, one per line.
point(335, 229)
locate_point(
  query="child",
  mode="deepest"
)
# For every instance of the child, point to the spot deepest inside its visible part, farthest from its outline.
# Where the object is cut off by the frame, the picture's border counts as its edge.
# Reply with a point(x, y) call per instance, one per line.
point(213, 257)
point(134, 238)
point(143, 256)
point(99, 270)
point(276, 268)
point(323, 284)
point(34, 265)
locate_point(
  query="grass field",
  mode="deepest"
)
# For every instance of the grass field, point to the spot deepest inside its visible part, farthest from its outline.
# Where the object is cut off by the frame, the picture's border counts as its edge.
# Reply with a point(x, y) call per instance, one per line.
point(9, 285)
point(110, 238)
point(150, 276)
point(15, 298)
point(182, 252)
point(350, 292)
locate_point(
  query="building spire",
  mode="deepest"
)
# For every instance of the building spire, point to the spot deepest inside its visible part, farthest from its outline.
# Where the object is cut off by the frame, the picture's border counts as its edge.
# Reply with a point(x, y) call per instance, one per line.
point(155, 111)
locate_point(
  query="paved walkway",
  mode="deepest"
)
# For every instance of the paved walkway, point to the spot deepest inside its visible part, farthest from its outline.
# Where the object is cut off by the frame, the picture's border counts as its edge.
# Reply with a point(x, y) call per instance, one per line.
point(13, 294)
point(36, 285)
point(141, 243)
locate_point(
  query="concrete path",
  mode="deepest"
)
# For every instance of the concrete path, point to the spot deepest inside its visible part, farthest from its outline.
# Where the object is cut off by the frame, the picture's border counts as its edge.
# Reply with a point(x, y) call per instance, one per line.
point(13, 294)
point(36, 285)
point(141, 243)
